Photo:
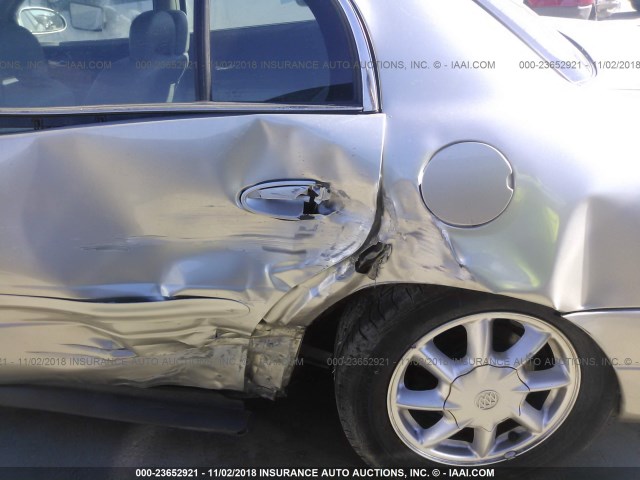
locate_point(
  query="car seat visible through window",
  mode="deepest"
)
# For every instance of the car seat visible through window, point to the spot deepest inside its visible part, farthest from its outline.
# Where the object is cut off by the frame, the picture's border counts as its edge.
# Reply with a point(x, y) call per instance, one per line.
point(24, 72)
point(158, 43)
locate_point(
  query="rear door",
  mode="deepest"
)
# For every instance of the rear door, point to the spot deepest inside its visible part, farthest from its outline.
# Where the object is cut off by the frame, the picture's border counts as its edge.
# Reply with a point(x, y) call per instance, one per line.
point(235, 193)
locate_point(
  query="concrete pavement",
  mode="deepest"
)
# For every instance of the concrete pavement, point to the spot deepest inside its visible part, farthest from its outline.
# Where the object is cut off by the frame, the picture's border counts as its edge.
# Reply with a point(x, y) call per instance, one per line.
point(300, 430)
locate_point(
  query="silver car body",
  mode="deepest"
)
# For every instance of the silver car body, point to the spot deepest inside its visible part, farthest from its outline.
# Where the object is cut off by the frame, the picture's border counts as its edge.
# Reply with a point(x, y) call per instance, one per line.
point(96, 218)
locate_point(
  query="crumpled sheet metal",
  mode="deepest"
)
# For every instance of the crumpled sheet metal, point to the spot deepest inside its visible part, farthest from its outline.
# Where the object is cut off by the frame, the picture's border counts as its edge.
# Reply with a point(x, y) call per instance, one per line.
point(303, 304)
point(183, 342)
point(567, 240)
point(186, 342)
point(572, 225)
point(149, 210)
point(130, 220)
point(147, 214)
point(273, 354)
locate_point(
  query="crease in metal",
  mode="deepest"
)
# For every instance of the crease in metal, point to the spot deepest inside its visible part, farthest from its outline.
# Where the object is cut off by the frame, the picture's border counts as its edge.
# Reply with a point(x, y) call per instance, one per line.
point(157, 276)
point(120, 211)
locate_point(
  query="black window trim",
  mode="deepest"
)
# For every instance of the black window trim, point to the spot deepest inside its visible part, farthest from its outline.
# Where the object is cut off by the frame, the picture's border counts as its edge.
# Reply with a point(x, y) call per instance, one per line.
point(201, 28)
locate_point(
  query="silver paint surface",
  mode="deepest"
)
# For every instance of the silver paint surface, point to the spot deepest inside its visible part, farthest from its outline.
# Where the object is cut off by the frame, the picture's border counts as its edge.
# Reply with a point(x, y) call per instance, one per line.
point(135, 219)
point(567, 240)
point(148, 210)
point(467, 184)
point(188, 342)
point(146, 215)
point(617, 332)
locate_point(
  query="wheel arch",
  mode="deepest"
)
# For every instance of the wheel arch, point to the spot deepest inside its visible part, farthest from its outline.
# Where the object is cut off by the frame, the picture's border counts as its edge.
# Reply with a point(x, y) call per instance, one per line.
point(380, 333)
point(325, 333)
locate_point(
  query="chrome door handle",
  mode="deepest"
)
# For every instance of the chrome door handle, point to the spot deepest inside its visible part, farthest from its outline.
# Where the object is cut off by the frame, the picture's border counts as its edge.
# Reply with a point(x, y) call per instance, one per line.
point(288, 199)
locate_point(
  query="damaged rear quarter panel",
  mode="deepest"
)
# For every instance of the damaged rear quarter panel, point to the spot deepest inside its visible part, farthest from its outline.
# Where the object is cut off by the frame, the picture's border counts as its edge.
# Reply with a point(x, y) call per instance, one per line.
point(568, 239)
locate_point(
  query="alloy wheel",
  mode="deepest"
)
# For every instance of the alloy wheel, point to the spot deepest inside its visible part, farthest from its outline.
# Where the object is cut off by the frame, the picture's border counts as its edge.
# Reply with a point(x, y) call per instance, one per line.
point(483, 388)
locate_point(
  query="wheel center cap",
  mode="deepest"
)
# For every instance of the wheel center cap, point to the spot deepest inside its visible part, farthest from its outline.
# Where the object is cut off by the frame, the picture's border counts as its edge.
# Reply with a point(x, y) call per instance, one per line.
point(487, 399)
point(486, 396)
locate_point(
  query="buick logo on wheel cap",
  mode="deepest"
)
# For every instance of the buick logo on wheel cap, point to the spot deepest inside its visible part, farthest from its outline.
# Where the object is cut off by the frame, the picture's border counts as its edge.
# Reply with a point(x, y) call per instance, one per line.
point(487, 399)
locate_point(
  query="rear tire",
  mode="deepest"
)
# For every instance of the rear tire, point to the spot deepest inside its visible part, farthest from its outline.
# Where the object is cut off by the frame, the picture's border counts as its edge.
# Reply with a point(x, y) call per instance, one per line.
point(378, 331)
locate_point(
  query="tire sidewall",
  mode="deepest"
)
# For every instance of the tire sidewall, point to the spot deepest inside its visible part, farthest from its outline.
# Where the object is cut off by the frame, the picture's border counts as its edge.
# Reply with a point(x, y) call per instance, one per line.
point(368, 386)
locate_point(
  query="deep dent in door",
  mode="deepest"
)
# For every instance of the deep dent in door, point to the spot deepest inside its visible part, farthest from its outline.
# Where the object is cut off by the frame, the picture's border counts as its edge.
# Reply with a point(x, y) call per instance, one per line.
point(127, 259)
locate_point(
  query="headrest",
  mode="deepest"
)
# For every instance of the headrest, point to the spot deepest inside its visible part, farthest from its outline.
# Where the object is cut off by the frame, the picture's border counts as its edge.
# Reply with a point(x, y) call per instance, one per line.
point(20, 52)
point(182, 30)
point(152, 33)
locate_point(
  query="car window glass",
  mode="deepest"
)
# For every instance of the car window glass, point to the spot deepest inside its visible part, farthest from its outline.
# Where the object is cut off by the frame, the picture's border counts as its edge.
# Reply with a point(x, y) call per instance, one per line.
point(253, 13)
point(281, 51)
point(112, 52)
point(92, 52)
